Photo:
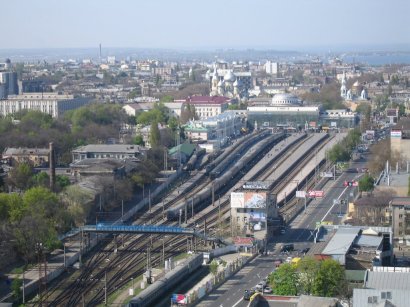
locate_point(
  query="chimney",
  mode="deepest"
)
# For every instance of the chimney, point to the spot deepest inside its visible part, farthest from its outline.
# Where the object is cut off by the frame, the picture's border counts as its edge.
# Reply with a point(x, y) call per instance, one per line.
point(52, 166)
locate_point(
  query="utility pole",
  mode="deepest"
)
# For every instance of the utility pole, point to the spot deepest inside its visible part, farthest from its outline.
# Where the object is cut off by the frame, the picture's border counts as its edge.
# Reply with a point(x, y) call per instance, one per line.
point(149, 199)
point(105, 288)
point(122, 210)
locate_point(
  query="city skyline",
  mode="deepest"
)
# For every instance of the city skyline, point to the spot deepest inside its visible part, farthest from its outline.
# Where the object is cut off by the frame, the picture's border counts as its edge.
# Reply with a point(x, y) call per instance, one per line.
point(182, 24)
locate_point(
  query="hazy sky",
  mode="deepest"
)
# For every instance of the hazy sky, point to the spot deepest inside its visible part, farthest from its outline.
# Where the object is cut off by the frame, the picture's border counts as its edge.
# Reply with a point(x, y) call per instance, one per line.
point(199, 24)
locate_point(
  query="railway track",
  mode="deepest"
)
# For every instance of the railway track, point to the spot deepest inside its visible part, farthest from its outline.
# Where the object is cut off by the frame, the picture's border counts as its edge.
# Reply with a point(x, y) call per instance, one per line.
point(116, 269)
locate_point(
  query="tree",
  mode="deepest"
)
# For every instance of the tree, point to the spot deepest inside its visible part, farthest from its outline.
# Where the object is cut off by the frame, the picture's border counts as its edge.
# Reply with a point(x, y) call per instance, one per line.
point(62, 181)
point(308, 268)
point(167, 98)
point(285, 280)
point(41, 179)
point(15, 288)
point(154, 137)
point(188, 113)
point(20, 176)
point(366, 183)
point(78, 203)
point(213, 267)
point(41, 201)
point(139, 140)
point(330, 278)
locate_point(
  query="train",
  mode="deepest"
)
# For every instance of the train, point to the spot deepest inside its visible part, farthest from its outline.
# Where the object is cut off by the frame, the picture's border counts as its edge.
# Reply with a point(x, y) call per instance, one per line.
point(200, 200)
point(190, 165)
point(157, 291)
point(221, 161)
point(227, 158)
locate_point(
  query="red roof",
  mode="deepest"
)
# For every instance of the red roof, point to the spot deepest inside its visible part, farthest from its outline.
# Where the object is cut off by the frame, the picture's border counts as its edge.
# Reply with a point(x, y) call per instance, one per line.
point(207, 100)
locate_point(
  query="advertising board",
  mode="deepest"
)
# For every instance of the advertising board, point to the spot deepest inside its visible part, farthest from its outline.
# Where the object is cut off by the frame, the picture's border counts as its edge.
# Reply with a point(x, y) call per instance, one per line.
point(180, 299)
point(395, 134)
point(300, 194)
point(248, 200)
point(392, 112)
point(316, 194)
point(257, 220)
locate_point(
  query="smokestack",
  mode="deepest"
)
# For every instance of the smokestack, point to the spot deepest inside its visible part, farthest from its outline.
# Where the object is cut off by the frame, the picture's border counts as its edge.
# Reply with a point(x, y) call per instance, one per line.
point(100, 53)
point(52, 166)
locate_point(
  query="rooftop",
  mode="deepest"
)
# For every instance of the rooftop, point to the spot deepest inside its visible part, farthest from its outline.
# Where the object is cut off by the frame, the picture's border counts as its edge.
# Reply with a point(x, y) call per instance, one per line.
point(387, 280)
point(341, 242)
point(118, 148)
point(206, 100)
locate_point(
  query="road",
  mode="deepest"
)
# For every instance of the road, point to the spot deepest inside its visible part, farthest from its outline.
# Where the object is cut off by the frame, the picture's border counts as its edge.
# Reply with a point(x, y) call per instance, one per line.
point(300, 232)
point(231, 292)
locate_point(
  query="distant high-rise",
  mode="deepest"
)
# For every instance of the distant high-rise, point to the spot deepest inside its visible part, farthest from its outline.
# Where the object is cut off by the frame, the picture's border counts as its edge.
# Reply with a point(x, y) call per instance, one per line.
point(271, 68)
point(9, 80)
point(100, 55)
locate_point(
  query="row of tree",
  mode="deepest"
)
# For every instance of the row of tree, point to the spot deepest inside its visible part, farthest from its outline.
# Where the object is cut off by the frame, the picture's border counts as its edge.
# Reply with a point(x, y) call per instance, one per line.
point(341, 152)
point(311, 277)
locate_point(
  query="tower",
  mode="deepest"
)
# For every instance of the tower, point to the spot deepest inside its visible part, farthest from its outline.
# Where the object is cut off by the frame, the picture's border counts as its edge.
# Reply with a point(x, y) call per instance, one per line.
point(343, 90)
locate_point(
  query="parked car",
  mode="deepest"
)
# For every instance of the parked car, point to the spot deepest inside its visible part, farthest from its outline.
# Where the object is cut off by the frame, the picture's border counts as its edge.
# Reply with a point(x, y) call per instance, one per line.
point(287, 248)
point(247, 294)
point(305, 250)
point(267, 290)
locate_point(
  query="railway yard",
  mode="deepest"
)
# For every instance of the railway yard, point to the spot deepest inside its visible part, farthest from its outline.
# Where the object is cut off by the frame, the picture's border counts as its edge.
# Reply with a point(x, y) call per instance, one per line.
point(285, 163)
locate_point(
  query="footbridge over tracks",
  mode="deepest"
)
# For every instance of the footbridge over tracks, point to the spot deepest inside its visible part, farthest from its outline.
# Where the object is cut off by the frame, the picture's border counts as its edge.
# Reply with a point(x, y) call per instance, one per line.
point(147, 229)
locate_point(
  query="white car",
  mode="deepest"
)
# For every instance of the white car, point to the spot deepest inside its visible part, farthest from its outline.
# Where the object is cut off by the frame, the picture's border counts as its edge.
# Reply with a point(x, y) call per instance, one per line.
point(267, 290)
point(289, 260)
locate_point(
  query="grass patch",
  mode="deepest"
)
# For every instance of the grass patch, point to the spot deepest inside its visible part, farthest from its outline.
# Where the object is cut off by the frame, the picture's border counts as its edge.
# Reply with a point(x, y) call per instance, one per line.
point(124, 289)
point(19, 270)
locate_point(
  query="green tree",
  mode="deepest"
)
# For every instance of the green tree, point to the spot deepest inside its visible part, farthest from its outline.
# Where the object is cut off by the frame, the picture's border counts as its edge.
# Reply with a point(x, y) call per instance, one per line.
point(41, 201)
point(329, 279)
point(167, 98)
point(15, 288)
point(138, 140)
point(173, 123)
point(154, 136)
point(78, 203)
point(366, 183)
point(285, 280)
point(213, 267)
point(41, 179)
point(308, 268)
point(62, 181)
point(20, 176)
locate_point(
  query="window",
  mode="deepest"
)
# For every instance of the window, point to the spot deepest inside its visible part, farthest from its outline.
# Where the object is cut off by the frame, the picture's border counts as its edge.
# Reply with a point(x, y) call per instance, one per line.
point(400, 216)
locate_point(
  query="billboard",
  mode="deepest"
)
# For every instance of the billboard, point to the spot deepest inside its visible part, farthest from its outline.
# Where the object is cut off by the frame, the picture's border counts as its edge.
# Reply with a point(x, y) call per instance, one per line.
point(179, 299)
point(392, 112)
point(316, 194)
point(257, 221)
point(395, 134)
point(248, 199)
point(300, 194)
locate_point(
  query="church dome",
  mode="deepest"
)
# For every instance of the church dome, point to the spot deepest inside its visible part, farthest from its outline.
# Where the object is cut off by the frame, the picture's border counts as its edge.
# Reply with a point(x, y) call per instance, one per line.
point(285, 99)
point(229, 77)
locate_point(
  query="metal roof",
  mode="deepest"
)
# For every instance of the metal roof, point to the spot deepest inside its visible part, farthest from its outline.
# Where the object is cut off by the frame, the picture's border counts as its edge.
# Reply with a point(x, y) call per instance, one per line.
point(387, 280)
point(366, 240)
point(341, 242)
point(399, 298)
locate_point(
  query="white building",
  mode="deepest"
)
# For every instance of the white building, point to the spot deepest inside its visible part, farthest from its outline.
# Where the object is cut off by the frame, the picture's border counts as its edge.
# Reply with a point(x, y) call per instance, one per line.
point(271, 68)
point(50, 103)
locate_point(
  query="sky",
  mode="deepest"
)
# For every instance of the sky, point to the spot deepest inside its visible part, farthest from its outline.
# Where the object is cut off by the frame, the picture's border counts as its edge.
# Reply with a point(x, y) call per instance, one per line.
point(199, 24)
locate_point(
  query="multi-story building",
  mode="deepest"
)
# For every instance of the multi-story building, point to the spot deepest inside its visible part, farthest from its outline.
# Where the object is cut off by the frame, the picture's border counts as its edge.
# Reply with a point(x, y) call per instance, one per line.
point(50, 103)
point(9, 79)
point(114, 151)
point(207, 106)
point(400, 213)
point(34, 156)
